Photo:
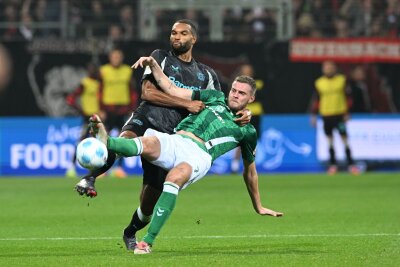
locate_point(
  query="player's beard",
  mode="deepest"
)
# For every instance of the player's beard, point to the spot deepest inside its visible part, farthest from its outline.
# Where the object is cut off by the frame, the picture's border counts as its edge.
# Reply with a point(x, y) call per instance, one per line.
point(182, 49)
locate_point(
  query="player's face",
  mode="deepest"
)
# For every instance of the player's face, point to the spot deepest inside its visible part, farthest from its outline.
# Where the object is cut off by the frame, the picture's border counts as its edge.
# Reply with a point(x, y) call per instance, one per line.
point(181, 39)
point(239, 96)
point(328, 68)
point(116, 58)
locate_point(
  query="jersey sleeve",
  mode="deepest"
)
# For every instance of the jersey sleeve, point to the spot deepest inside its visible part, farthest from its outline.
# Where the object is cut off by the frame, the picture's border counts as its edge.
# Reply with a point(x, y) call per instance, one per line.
point(158, 55)
point(248, 145)
point(213, 82)
point(209, 96)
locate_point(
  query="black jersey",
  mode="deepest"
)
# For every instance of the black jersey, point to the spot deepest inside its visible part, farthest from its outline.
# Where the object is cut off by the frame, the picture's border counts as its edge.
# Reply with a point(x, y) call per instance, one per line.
point(191, 75)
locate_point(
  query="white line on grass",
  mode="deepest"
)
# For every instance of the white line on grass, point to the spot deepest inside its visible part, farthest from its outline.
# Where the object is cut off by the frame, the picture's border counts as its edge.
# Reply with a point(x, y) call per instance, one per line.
point(203, 237)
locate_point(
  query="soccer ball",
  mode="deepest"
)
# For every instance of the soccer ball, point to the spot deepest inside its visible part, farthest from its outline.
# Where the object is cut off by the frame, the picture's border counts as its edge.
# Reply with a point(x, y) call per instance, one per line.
point(91, 153)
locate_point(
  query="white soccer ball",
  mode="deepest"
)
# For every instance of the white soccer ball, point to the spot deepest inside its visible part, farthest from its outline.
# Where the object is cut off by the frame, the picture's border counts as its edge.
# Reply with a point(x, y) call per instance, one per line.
point(91, 153)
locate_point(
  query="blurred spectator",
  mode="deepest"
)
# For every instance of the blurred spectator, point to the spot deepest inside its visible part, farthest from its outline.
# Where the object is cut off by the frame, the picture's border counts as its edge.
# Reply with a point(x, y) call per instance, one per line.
point(114, 36)
point(118, 96)
point(359, 91)
point(262, 24)
point(392, 19)
point(305, 25)
point(322, 16)
point(10, 18)
point(200, 19)
point(233, 24)
point(85, 99)
point(127, 22)
point(97, 19)
point(341, 27)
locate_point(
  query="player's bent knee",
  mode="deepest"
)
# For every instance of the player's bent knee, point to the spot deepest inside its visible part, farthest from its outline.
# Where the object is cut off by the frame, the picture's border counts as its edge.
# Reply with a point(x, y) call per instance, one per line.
point(128, 134)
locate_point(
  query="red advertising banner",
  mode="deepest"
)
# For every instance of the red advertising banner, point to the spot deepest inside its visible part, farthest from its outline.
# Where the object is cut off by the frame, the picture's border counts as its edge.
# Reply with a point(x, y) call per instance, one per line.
point(355, 50)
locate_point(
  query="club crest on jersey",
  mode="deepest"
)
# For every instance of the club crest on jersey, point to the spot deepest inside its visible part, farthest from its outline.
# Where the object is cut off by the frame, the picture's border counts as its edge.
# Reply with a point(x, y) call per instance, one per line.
point(219, 108)
point(201, 76)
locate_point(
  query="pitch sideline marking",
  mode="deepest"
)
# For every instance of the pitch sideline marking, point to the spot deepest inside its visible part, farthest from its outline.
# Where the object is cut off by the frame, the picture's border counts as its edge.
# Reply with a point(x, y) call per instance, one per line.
point(203, 237)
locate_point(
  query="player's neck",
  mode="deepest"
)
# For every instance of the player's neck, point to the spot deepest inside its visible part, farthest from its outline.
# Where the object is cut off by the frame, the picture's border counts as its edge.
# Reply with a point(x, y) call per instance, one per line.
point(187, 57)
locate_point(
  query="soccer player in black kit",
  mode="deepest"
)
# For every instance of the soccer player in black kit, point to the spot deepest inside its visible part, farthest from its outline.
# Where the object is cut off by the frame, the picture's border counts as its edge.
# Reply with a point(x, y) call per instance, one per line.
point(161, 112)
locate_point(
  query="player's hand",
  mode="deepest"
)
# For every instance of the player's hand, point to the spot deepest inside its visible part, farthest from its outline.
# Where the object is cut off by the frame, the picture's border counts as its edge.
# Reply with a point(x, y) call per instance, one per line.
point(346, 117)
point(245, 117)
point(265, 211)
point(195, 106)
point(143, 62)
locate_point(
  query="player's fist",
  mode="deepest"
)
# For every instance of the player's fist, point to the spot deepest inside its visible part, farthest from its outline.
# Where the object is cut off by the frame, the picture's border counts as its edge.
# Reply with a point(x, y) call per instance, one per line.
point(195, 106)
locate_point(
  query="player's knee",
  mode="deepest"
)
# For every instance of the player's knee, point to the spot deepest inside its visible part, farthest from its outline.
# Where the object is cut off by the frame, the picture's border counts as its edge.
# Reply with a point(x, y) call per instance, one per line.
point(180, 174)
point(128, 134)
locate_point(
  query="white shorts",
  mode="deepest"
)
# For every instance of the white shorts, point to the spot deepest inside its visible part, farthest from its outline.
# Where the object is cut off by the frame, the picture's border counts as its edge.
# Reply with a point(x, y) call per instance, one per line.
point(176, 149)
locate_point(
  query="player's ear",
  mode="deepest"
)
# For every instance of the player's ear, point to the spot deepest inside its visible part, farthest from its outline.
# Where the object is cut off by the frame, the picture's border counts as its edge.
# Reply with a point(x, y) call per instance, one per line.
point(252, 98)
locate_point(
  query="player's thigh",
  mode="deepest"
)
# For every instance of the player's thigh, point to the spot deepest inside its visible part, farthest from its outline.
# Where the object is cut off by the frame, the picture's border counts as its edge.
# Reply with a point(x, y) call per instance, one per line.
point(341, 127)
point(189, 152)
point(329, 125)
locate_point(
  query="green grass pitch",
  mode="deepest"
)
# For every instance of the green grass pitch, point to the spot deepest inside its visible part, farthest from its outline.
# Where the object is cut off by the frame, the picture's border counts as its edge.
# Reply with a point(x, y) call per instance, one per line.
point(339, 220)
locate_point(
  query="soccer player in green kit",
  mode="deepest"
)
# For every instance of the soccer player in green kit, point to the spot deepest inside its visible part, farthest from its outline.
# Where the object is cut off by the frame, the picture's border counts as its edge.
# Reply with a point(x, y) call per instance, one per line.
point(198, 141)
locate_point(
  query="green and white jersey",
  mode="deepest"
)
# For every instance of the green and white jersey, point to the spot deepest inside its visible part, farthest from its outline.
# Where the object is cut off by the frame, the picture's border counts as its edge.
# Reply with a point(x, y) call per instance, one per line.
point(215, 126)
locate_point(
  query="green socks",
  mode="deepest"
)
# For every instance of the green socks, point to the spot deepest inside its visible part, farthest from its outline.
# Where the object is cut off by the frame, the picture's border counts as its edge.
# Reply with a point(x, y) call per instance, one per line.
point(162, 211)
point(125, 147)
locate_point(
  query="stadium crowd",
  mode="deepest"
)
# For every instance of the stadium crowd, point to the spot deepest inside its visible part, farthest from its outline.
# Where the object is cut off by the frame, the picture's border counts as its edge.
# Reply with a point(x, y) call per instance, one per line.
point(118, 19)
point(347, 18)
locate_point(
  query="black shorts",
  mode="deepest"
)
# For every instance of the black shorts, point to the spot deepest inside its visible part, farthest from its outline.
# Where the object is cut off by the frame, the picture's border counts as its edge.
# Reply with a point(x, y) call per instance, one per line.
point(114, 121)
point(334, 122)
point(152, 174)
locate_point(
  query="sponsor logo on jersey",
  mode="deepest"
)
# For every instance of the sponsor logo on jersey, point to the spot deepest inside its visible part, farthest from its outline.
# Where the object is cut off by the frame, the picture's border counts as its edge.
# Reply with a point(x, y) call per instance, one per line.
point(201, 76)
point(182, 85)
point(138, 122)
point(175, 69)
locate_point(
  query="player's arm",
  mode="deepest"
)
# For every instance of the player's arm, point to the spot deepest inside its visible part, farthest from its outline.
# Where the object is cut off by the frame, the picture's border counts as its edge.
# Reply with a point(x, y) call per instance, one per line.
point(71, 98)
point(152, 94)
point(162, 80)
point(251, 179)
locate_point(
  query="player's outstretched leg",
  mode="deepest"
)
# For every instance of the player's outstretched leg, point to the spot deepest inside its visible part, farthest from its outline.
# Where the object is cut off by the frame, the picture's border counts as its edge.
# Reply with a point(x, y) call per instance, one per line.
point(98, 128)
point(86, 184)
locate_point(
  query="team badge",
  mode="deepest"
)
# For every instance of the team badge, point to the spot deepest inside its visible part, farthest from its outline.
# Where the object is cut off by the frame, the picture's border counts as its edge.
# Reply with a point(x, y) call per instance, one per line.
point(201, 76)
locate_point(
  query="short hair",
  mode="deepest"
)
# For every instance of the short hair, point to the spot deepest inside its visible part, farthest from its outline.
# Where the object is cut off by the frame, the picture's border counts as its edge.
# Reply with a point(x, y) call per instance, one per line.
point(248, 80)
point(193, 25)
